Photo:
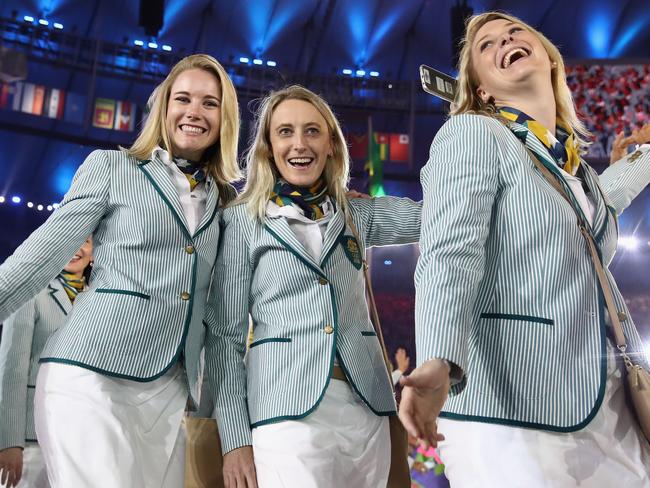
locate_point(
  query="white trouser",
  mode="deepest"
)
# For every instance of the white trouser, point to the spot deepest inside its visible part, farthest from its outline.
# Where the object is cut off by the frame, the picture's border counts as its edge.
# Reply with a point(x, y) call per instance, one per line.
point(342, 443)
point(609, 452)
point(34, 474)
point(103, 432)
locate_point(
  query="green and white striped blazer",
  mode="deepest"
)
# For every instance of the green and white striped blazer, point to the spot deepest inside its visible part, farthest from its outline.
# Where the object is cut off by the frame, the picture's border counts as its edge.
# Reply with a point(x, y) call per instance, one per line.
point(505, 286)
point(144, 307)
point(304, 314)
point(23, 337)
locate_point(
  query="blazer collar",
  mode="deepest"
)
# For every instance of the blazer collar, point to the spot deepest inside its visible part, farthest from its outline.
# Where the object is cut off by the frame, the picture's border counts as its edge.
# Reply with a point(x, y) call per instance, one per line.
point(59, 296)
point(335, 227)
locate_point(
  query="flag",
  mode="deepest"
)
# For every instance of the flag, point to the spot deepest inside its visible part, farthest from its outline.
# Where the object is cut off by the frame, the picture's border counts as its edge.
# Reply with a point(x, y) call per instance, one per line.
point(399, 148)
point(383, 142)
point(18, 93)
point(5, 95)
point(104, 113)
point(358, 146)
point(124, 116)
point(75, 108)
point(54, 103)
point(32, 99)
point(375, 165)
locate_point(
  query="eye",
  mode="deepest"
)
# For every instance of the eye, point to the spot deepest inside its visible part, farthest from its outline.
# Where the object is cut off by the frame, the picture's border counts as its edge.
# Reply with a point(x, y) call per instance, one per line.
point(285, 131)
point(313, 131)
point(485, 45)
point(182, 99)
point(515, 29)
point(212, 103)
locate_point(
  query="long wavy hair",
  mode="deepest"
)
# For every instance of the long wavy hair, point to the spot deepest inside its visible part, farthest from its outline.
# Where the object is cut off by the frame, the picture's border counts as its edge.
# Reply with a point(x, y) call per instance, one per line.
point(261, 172)
point(467, 99)
point(221, 157)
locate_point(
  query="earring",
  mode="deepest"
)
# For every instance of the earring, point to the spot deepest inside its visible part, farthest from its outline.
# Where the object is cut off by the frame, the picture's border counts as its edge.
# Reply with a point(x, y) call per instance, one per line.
point(554, 65)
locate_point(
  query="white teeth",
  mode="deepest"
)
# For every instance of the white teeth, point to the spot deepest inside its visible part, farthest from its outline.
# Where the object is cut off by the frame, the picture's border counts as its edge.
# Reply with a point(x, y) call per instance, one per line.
point(192, 129)
point(508, 56)
point(300, 160)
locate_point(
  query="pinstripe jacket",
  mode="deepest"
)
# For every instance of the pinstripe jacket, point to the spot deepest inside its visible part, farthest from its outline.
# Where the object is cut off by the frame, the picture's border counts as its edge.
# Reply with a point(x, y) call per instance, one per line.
point(304, 314)
point(144, 307)
point(23, 338)
point(505, 286)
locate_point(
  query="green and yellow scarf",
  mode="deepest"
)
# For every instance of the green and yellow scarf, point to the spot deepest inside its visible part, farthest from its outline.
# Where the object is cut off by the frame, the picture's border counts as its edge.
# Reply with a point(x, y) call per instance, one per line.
point(310, 200)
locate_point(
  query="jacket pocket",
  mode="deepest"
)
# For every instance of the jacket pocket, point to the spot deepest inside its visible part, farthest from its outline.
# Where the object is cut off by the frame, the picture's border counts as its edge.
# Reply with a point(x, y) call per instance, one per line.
point(523, 318)
point(123, 292)
point(269, 339)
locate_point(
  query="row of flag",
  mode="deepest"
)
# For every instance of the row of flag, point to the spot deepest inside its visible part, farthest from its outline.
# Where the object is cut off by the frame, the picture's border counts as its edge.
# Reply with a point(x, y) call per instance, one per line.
point(389, 147)
point(59, 104)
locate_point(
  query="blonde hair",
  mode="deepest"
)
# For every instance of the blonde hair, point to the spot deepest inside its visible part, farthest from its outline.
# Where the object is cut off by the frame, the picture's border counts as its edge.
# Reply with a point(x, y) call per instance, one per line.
point(261, 172)
point(467, 99)
point(221, 157)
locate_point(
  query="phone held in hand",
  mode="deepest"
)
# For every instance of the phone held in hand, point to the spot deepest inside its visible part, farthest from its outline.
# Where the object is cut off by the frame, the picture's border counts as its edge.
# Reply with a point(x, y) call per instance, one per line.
point(437, 83)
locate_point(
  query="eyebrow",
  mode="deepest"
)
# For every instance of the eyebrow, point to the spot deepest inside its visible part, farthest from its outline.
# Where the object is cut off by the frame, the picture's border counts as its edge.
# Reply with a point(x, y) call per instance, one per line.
point(488, 35)
point(183, 92)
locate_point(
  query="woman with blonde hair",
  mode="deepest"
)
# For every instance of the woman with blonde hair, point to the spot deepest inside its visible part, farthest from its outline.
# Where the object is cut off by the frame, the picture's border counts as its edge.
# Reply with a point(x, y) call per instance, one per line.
point(115, 379)
point(509, 309)
point(309, 404)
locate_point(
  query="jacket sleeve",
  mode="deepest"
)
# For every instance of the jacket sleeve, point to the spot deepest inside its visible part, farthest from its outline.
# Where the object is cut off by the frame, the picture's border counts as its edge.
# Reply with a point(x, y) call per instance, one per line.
point(387, 221)
point(15, 354)
point(626, 178)
point(227, 331)
point(460, 183)
point(49, 248)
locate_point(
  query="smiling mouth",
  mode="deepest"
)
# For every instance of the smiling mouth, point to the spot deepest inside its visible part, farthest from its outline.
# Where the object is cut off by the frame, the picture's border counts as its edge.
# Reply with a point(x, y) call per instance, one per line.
point(300, 162)
point(191, 129)
point(513, 56)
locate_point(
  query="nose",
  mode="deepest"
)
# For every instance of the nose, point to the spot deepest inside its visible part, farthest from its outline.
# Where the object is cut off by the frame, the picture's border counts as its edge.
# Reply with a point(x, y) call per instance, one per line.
point(193, 110)
point(506, 38)
point(299, 142)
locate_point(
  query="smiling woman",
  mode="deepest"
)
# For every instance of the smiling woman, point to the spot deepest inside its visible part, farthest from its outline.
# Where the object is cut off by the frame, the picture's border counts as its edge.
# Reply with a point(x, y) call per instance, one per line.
point(506, 290)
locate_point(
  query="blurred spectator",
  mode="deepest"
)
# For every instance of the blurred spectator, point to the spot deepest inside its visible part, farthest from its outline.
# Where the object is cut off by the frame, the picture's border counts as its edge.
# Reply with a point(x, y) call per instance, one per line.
point(402, 361)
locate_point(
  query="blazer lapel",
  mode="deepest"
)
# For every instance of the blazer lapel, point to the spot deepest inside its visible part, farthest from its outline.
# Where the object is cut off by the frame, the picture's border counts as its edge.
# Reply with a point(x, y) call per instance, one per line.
point(601, 211)
point(158, 176)
point(59, 297)
point(280, 230)
point(211, 205)
point(334, 229)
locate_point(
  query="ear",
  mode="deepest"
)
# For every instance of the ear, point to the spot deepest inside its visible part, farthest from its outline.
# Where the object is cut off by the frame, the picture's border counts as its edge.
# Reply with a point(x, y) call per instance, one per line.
point(483, 95)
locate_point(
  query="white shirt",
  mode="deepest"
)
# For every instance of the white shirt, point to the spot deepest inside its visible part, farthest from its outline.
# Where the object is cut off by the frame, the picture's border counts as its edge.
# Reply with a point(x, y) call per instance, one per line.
point(192, 201)
point(586, 203)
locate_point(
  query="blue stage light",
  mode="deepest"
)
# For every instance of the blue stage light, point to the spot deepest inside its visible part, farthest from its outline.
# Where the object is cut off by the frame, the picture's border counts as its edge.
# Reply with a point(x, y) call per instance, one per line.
point(43, 22)
point(39, 207)
point(165, 47)
point(50, 208)
point(374, 73)
point(244, 60)
point(361, 72)
point(271, 63)
point(258, 61)
point(347, 71)
point(16, 199)
point(153, 45)
point(138, 42)
point(388, 262)
point(2, 199)
point(57, 25)
point(28, 18)
point(30, 204)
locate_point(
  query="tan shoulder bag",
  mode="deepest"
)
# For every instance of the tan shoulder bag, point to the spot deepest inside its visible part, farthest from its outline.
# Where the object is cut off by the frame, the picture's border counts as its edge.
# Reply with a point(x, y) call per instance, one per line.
point(638, 379)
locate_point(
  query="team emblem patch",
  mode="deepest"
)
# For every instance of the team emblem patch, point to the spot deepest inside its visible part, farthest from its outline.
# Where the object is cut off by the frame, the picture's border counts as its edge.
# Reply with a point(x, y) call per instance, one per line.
point(352, 250)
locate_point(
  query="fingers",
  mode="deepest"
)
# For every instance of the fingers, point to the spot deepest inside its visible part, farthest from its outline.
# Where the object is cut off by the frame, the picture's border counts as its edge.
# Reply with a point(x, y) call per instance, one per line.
point(406, 416)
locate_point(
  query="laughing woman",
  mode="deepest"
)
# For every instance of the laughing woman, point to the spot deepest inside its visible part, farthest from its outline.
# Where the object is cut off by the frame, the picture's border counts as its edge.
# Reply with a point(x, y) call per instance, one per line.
point(23, 337)
point(313, 396)
point(507, 292)
point(115, 379)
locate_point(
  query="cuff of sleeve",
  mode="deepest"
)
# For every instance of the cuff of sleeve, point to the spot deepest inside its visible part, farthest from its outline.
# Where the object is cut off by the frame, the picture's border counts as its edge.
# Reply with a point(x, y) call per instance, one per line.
point(234, 431)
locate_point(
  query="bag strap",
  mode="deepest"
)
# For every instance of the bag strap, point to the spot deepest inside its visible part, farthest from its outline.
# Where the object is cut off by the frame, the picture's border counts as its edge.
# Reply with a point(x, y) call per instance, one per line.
point(621, 343)
point(374, 315)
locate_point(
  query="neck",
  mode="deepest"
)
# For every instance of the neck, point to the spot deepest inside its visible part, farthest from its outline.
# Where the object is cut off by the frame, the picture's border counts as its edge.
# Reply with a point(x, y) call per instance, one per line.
point(537, 102)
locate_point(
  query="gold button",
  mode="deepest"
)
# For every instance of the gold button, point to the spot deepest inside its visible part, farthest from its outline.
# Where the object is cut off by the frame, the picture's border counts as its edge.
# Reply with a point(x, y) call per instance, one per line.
point(328, 329)
point(185, 296)
point(189, 249)
point(322, 281)
point(622, 316)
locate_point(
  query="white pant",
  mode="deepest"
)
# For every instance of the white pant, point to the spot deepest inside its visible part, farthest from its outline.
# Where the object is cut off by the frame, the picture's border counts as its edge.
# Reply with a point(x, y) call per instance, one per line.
point(609, 452)
point(102, 432)
point(34, 474)
point(341, 444)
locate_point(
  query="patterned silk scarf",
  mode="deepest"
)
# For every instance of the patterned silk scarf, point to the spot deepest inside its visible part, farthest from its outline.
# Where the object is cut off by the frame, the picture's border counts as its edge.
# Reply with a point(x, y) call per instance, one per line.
point(71, 285)
point(193, 171)
point(562, 146)
point(310, 200)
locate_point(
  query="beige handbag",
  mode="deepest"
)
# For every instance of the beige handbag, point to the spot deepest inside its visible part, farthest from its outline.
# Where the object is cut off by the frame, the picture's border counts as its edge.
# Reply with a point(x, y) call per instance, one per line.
point(399, 475)
point(203, 461)
point(638, 379)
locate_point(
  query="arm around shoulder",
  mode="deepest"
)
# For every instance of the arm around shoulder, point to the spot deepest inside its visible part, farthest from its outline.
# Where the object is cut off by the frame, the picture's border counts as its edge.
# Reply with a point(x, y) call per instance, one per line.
point(387, 221)
point(625, 179)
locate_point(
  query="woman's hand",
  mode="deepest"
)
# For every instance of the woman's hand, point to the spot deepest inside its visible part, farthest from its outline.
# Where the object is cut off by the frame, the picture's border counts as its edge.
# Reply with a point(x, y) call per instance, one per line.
point(425, 392)
point(11, 466)
point(619, 147)
point(642, 135)
point(239, 468)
